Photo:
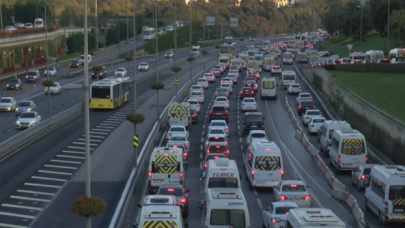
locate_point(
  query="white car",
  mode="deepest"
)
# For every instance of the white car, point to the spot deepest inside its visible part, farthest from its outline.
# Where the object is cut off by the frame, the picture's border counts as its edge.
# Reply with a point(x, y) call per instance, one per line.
point(234, 72)
point(143, 66)
point(120, 72)
point(233, 78)
point(219, 123)
point(176, 129)
point(294, 89)
point(293, 191)
point(27, 120)
point(169, 28)
point(29, 26)
point(309, 114)
point(227, 86)
point(210, 77)
point(56, 88)
point(275, 215)
point(256, 136)
point(219, 130)
point(203, 82)
point(52, 71)
point(198, 95)
point(194, 104)
point(8, 104)
point(227, 80)
point(249, 104)
point(315, 124)
point(304, 97)
point(222, 100)
point(252, 39)
point(196, 88)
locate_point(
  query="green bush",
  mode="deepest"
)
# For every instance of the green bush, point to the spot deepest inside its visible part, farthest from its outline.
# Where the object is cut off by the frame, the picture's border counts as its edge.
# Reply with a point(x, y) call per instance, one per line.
point(75, 42)
point(17, 56)
point(368, 67)
point(1, 61)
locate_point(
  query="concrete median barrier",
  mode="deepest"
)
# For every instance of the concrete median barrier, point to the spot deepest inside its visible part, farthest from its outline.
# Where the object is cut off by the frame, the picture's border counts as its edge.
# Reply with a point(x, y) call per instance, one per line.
point(348, 199)
point(298, 134)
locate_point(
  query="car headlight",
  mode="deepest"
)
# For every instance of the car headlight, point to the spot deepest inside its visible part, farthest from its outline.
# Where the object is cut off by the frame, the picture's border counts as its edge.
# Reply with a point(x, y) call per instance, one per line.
point(18, 123)
point(35, 76)
point(28, 109)
point(16, 109)
point(32, 123)
point(26, 76)
point(7, 85)
point(17, 85)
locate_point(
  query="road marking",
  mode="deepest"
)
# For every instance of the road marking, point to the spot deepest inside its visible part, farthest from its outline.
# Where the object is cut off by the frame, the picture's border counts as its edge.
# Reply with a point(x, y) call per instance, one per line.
point(68, 156)
point(255, 191)
point(58, 107)
point(201, 155)
point(238, 117)
point(202, 139)
point(201, 147)
point(97, 129)
point(79, 148)
point(10, 129)
point(61, 161)
point(52, 172)
point(240, 140)
point(2, 118)
point(47, 178)
point(240, 133)
point(11, 225)
point(98, 133)
point(41, 102)
point(116, 118)
point(109, 120)
point(72, 152)
point(21, 207)
point(83, 143)
point(91, 140)
point(260, 203)
point(30, 198)
point(106, 127)
point(238, 127)
point(60, 167)
point(95, 136)
point(35, 192)
point(104, 124)
point(204, 126)
point(120, 115)
point(241, 147)
point(17, 215)
point(202, 133)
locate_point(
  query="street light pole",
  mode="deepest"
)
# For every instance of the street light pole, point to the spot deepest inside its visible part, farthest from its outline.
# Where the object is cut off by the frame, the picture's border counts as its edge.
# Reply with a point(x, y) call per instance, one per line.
point(361, 25)
point(157, 66)
point(135, 71)
point(1, 15)
point(351, 13)
point(47, 56)
point(127, 25)
point(388, 29)
point(86, 110)
point(96, 23)
point(191, 25)
point(175, 32)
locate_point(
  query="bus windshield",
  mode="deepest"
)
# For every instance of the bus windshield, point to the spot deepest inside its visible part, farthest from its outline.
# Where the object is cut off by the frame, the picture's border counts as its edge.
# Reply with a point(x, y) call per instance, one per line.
point(100, 92)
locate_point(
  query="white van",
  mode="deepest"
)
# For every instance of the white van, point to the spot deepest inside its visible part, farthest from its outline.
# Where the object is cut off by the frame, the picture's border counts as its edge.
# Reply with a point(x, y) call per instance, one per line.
point(221, 173)
point(288, 77)
point(385, 193)
point(81, 59)
point(165, 167)
point(38, 23)
point(288, 58)
point(326, 132)
point(264, 164)
point(161, 216)
point(195, 50)
point(268, 88)
point(348, 149)
point(313, 217)
point(225, 207)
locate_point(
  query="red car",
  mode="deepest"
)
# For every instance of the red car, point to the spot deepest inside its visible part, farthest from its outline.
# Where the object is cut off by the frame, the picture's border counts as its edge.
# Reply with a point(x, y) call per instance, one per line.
point(251, 84)
point(246, 92)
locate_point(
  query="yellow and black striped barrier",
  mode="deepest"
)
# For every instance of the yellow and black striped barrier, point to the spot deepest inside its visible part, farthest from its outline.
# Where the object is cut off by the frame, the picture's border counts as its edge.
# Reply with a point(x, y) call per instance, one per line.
point(176, 81)
point(136, 140)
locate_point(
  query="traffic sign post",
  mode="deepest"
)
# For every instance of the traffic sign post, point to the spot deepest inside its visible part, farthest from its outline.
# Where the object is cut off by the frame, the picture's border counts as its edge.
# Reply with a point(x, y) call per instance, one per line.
point(176, 81)
point(233, 21)
point(350, 46)
point(136, 141)
point(204, 62)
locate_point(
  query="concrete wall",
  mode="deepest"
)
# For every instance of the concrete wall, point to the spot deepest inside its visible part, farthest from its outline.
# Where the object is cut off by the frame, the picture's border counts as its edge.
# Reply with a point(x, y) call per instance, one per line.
point(381, 130)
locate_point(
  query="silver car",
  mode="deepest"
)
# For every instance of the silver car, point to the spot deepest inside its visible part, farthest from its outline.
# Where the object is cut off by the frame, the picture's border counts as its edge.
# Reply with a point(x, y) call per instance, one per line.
point(7, 104)
point(169, 54)
point(220, 68)
point(210, 77)
point(222, 92)
point(25, 106)
point(52, 71)
point(27, 120)
point(307, 116)
point(294, 89)
point(143, 66)
point(276, 213)
point(304, 97)
point(361, 175)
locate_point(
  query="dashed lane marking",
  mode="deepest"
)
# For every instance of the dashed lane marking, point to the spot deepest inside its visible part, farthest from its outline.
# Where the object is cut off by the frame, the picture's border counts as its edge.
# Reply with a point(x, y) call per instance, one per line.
point(97, 129)
point(98, 133)
point(241, 147)
point(255, 191)
point(78, 148)
point(95, 136)
point(60, 167)
point(106, 127)
point(35, 192)
point(91, 140)
point(260, 204)
point(21, 207)
point(53, 172)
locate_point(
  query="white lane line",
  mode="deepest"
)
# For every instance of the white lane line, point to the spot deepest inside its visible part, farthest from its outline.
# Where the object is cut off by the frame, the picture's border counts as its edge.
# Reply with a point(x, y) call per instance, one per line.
point(78, 148)
point(201, 155)
point(29, 198)
point(116, 118)
point(61, 161)
point(238, 122)
point(21, 207)
point(10, 129)
point(240, 140)
point(204, 126)
point(60, 167)
point(11, 225)
point(35, 192)
point(202, 133)
point(238, 117)
point(241, 147)
point(106, 124)
point(82, 143)
point(240, 133)
point(72, 152)
point(72, 157)
point(52, 172)
point(260, 203)
point(104, 130)
point(95, 136)
point(119, 115)
point(17, 215)
point(2, 118)
point(109, 121)
point(202, 139)
point(41, 102)
point(58, 107)
point(47, 178)
point(106, 127)
point(201, 147)
point(255, 191)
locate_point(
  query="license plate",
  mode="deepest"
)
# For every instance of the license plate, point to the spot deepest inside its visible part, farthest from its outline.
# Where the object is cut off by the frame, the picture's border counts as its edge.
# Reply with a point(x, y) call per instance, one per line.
point(254, 125)
point(218, 113)
point(247, 93)
point(261, 182)
point(306, 107)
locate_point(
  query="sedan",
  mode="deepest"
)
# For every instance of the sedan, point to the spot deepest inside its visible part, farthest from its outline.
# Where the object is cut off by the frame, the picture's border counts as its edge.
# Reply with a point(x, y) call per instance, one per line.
point(220, 68)
point(294, 89)
point(309, 114)
point(7, 104)
point(305, 105)
point(52, 71)
point(211, 156)
point(218, 130)
point(120, 72)
point(276, 213)
point(10, 28)
point(27, 120)
point(196, 88)
point(315, 124)
point(256, 135)
point(222, 100)
point(246, 92)
point(25, 106)
point(216, 72)
point(210, 77)
point(226, 86)
point(15, 84)
point(219, 123)
point(293, 191)
point(227, 80)
point(361, 175)
point(143, 66)
point(74, 64)
point(276, 70)
point(233, 78)
point(169, 28)
point(203, 82)
point(198, 95)
point(176, 129)
point(194, 104)
point(303, 97)
point(222, 92)
point(181, 195)
point(179, 139)
point(29, 26)
point(169, 54)
point(249, 104)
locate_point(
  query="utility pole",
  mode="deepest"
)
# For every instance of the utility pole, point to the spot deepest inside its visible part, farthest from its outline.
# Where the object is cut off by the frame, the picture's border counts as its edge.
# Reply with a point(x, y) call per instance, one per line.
point(175, 32)
point(388, 29)
point(127, 25)
point(96, 23)
point(1, 15)
point(135, 71)
point(191, 25)
point(47, 56)
point(157, 66)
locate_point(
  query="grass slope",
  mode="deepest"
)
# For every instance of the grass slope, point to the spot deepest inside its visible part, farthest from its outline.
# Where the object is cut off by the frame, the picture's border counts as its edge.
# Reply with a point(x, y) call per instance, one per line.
point(384, 91)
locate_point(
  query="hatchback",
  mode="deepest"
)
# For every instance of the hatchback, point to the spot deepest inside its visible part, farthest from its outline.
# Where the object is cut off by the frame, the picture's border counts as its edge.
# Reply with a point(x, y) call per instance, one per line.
point(361, 175)
point(293, 191)
point(203, 82)
point(227, 86)
point(222, 100)
point(276, 70)
point(194, 104)
point(222, 92)
point(249, 104)
point(219, 112)
point(25, 106)
point(210, 77)
point(275, 215)
point(246, 92)
point(217, 124)
point(176, 129)
point(294, 88)
point(303, 97)
point(315, 124)
point(309, 114)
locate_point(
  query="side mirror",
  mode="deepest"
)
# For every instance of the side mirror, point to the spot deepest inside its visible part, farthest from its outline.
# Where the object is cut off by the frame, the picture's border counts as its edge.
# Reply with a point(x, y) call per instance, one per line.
point(139, 205)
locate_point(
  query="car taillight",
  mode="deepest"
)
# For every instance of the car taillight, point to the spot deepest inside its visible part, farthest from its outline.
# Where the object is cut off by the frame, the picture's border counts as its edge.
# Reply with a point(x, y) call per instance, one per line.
point(275, 220)
point(216, 102)
point(211, 113)
point(282, 197)
point(282, 173)
point(363, 177)
point(185, 154)
point(207, 143)
point(339, 159)
point(305, 197)
point(252, 172)
point(312, 107)
point(168, 135)
point(197, 106)
point(225, 128)
point(183, 201)
point(205, 165)
point(291, 59)
point(181, 175)
point(386, 207)
point(295, 80)
point(225, 113)
point(312, 125)
point(300, 107)
point(193, 115)
point(226, 102)
point(252, 92)
point(241, 92)
point(150, 175)
point(254, 104)
point(227, 152)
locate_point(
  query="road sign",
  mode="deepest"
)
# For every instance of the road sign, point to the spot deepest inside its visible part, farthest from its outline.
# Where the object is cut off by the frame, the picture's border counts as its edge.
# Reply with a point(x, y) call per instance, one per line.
point(136, 140)
point(233, 21)
point(209, 20)
point(176, 81)
point(350, 46)
point(204, 60)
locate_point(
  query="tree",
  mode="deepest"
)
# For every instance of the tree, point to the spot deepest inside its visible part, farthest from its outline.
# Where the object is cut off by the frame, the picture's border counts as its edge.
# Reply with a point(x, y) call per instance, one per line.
point(157, 86)
point(191, 59)
point(135, 118)
point(397, 27)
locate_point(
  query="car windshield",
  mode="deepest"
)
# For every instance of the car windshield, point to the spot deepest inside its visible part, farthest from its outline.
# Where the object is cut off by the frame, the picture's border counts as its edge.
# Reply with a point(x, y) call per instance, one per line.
point(143, 64)
point(13, 80)
point(196, 87)
point(283, 210)
point(171, 191)
point(258, 135)
point(168, 53)
point(397, 192)
point(24, 104)
point(32, 73)
point(51, 68)
point(218, 148)
point(74, 62)
point(28, 115)
point(120, 69)
point(293, 188)
point(5, 100)
point(54, 85)
point(177, 129)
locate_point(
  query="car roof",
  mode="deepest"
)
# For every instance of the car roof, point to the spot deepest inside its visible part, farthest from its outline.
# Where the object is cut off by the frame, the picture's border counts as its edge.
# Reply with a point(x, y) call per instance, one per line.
point(284, 204)
point(25, 101)
point(285, 182)
point(368, 165)
point(257, 131)
point(218, 121)
point(318, 117)
point(249, 98)
point(216, 127)
point(143, 63)
point(219, 105)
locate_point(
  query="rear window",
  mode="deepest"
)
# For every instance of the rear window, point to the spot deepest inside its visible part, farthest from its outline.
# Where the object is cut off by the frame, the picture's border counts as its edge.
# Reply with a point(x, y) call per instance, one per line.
point(217, 149)
point(268, 85)
point(177, 129)
point(307, 103)
point(248, 100)
point(202, 80)
point(294, 188)
point(196, 93)
point(346, 60)
point(216, 139)
point(247, 88)
point(193, 102)
point(267, 163)
point(178, 138)
point(222, 90)
point(313, 113)
point(253, 118)
point(367, 171)
point(318, 120)
point(283, 210)
point(353, 147)
point(305, 95)
point(196, 87)
point(221, 99)
point(218, 109)
point(171, 191)
point(276, 67)
point(295, 86)
point(217, 131)
point(258, 135)
point(289, 77)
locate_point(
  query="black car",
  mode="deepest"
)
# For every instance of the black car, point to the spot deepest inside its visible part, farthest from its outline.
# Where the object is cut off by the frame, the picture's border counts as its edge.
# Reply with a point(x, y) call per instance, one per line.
point(194, 117)
point(74, 64)
point(14, 83)
point(99, 72)
point(219, 112)
point(179, 192)
point(253, 121)
point(218, 149)
point(305, 105)
point(384, 61)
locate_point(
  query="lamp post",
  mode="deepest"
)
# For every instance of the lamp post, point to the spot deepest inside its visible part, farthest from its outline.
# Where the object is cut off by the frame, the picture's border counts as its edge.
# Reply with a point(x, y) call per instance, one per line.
point(1, 15)
point(135, 71)
point(46, 56)
point(351, 13)
point(175, 32)
point(361, 24)
point(96, 23)
point(388, 28)
point(127, 26)
point(191, 24)
point(157, 56)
